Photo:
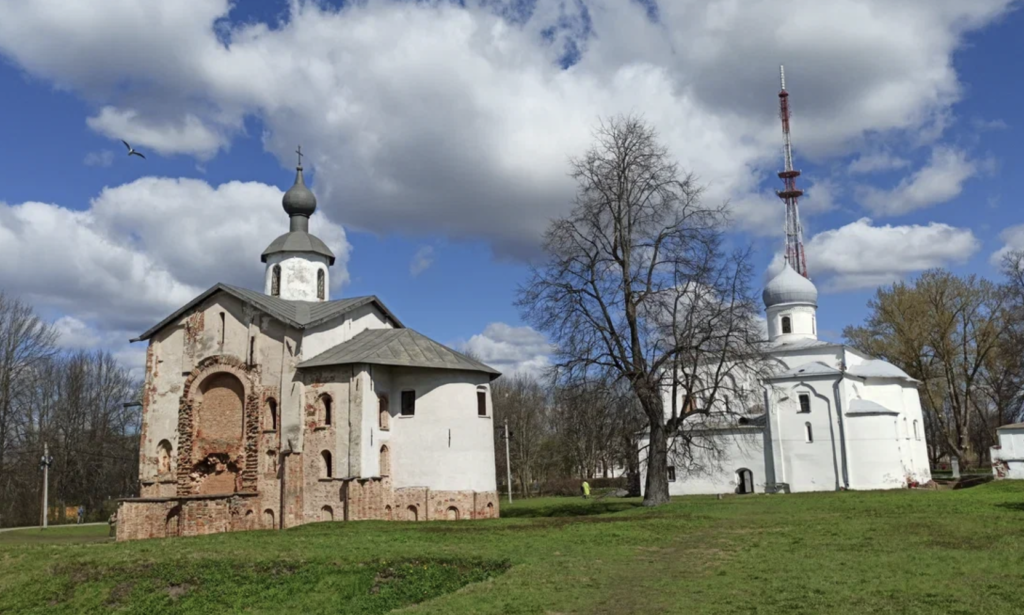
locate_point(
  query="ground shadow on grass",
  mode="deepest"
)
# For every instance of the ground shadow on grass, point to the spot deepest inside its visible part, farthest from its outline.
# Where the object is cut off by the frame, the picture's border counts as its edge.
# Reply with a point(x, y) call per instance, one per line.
point(1017, 506)
point(217, 586)
point(569, 508)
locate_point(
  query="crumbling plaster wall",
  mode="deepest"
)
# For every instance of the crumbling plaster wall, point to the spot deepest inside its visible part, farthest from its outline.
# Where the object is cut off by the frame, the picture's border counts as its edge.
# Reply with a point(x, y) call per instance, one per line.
point(298, 275)
point(174, 353)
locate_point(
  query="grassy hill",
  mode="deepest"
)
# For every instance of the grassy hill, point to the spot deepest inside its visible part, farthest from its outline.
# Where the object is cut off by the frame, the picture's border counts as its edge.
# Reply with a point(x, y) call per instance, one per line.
point(877, 552)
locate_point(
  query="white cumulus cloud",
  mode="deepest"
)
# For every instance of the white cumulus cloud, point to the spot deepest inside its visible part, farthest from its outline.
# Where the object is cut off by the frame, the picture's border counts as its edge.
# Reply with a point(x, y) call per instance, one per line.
point(511, 349)
point(862, 255)
point(144, 248)
point(432, 118)
point(1013, 240)
point(941, 180)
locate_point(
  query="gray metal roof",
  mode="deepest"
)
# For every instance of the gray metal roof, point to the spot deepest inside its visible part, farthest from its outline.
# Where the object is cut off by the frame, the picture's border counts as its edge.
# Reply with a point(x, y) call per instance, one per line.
point(866, 406)
point(398, 347)
point(789, 287)
point(298, 314)
point(298, 241)
point(878, 368)
point(814, 369)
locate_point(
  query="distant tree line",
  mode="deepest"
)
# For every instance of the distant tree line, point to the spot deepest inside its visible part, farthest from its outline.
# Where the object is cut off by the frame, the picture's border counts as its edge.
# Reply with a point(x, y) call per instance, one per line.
point(562, 434)
point(963, 338)
point(74, 402)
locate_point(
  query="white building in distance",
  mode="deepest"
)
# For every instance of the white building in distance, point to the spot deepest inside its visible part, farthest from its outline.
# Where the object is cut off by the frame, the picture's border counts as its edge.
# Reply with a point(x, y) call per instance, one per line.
point(1008, 455)
point(834, 418)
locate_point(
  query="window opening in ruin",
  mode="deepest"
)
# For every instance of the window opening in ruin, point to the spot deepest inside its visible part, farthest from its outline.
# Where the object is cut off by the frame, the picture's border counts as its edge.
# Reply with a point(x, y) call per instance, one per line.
point(787, 326)
point(163, 457)
point(272, 414)
point(809, 433)
point(271, 462)
point(268, 519)
point(275, 280)
point(387, 513)
point(490, 509)
point(408, 403)
point(328, 467)
point(327, 409)
point(481, 402)
point(413, 516)
point(223, 327)
point(805, 403)
point(320, 284)
point(385, 461)
point(327, 513)
point(452, 513)
point(385, 417)
point(671, 474)
point(252, 352)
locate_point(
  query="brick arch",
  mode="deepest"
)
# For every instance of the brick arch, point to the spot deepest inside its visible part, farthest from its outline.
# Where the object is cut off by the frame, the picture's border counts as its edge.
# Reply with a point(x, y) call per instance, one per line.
point(191, 399)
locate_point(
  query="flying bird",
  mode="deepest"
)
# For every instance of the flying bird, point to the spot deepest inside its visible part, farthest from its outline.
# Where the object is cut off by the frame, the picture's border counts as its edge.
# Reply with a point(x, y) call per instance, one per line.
point(131, 150)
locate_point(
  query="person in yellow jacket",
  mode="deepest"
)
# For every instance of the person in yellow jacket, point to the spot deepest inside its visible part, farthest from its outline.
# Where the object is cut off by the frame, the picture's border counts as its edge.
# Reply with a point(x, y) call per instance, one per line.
point(586, 490)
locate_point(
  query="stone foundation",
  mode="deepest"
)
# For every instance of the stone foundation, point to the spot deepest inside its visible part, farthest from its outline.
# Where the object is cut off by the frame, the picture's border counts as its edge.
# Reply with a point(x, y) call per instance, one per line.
point(337, 500)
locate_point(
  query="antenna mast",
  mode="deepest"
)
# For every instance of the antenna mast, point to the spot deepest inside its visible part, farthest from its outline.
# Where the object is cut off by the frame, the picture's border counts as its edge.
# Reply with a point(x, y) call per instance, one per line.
point(794, 232)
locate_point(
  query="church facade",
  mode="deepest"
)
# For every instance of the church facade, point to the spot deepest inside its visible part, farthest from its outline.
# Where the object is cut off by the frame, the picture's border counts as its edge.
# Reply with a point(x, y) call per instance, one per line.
point(276, 408)
point(833, 418)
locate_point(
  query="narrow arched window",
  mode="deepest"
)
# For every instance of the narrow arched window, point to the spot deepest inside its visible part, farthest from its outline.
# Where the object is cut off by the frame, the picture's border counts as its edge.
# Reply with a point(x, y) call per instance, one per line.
point(385, 414)
point(163, 457)
point(917, 434)
point(808, 433)
point(328, 467)
point(385, 461)
point(787, 326)
point(326, 399)
point(275, 280)
point(271, 414)
point(320, 291)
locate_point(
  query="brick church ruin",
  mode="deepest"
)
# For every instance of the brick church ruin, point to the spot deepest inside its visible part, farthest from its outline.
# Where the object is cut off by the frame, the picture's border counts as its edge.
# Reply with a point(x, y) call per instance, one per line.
point(272, 409)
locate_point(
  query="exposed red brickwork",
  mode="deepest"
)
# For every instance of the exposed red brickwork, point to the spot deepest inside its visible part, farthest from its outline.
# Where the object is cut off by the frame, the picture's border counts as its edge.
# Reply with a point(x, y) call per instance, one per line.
point(218, 450)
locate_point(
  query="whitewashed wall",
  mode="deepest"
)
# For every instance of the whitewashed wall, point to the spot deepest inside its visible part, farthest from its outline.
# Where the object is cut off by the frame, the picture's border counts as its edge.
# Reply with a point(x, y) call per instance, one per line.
point(740, 448)
point(1011, 451)
point(298, 275)
point(325, 336)
point(421, 455)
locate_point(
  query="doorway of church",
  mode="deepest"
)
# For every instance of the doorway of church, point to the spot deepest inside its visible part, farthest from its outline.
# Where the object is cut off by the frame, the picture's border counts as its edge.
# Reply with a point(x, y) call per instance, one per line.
point(746, 481)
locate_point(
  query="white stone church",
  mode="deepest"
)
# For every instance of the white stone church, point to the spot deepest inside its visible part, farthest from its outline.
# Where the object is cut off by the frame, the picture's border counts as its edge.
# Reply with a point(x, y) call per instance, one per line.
point(271, 409)
point(833, 418)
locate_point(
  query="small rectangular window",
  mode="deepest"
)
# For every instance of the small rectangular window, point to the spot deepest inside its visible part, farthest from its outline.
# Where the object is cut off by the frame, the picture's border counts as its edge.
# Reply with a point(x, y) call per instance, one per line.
point(671, 474)
point(805, 403)
point(408, 403)
point(481, 403)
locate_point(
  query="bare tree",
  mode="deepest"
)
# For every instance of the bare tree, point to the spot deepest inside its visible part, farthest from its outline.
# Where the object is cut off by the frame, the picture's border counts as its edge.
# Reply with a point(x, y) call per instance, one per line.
point(26, 343)
point(522, 401)
point(637, 283)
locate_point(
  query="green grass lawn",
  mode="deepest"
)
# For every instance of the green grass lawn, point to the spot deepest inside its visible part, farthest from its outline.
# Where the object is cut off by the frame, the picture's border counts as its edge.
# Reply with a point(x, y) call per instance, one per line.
point(879, 552)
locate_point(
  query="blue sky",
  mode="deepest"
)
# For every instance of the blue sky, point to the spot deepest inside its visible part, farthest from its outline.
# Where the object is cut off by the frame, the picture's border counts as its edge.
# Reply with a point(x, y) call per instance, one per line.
point(438, 133)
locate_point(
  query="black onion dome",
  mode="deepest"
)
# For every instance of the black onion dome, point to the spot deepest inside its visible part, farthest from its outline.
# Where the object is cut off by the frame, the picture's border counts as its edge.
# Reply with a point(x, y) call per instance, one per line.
point(299, 200)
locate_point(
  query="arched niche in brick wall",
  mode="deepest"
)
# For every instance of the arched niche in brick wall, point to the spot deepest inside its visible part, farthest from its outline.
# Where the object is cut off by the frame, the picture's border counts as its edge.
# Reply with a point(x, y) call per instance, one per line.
point(218, 426)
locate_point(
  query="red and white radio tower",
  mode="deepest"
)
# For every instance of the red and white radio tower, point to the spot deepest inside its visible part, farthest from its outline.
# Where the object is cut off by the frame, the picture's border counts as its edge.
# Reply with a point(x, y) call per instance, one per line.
point(794, 232)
